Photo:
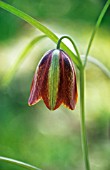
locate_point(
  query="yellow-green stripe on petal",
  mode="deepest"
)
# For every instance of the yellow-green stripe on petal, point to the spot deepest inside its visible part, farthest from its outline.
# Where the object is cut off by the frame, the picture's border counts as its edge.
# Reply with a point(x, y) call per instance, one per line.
point(53, 79)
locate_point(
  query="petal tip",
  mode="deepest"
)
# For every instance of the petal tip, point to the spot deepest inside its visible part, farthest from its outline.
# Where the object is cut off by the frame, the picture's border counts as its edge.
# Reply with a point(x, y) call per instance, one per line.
point(30, 103)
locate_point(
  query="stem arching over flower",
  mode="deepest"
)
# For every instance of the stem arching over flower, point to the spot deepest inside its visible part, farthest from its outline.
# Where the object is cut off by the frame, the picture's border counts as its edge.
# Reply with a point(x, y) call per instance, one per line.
point(74, 45)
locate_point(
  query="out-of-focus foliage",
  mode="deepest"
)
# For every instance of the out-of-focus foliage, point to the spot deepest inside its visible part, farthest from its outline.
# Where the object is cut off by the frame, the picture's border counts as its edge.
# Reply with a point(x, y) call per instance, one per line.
point(51, 10)
point(51, 140)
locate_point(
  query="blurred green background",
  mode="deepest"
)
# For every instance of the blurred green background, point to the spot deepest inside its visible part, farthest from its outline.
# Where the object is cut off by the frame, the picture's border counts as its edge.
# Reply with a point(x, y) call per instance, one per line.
point(51, 140)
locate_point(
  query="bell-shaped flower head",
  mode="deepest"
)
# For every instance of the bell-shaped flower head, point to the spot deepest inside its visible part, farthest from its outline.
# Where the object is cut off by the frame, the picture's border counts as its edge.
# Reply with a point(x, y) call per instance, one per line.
point(54, 81)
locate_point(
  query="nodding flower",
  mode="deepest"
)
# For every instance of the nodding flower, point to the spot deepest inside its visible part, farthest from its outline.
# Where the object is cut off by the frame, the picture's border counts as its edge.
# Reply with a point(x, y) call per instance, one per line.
point(54, 81)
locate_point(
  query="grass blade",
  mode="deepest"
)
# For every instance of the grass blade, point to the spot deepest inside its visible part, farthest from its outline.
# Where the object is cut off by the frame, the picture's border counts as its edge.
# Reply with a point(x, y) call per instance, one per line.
point(99, 64)
point(95, 29)
point(19, 163)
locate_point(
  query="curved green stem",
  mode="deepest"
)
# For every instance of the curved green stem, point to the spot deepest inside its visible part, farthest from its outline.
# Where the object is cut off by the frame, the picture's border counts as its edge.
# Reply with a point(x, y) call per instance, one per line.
point(73, 43)
point(9, 75)
point(40, 26)
point(82, 88)
point(19, 163)
point(95, 29)
point(96, 62)
point(83, 125)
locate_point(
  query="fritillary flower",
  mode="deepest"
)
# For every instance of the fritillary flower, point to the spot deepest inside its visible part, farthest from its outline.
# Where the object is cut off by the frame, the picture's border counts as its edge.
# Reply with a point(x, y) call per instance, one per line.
point(54, 81)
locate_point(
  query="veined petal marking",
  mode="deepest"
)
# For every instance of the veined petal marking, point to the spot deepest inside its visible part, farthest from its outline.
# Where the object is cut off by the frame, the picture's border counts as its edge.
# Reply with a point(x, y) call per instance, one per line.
point(54, 81)
point(39, 76)
point(68, 81)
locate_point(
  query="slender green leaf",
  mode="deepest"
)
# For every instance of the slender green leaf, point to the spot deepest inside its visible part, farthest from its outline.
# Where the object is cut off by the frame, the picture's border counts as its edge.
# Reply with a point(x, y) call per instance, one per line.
point(19, 163)
point(40, 26)
point(11, 72)
point(95, 29)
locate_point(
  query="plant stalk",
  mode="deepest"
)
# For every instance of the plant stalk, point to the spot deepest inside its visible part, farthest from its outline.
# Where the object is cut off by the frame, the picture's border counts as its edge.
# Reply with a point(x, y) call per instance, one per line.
point(83, 125)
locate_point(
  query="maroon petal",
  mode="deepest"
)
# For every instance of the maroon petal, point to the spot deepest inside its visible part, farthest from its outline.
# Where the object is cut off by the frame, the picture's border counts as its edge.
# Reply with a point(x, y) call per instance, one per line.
point(38, 86)
point(68, 87)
